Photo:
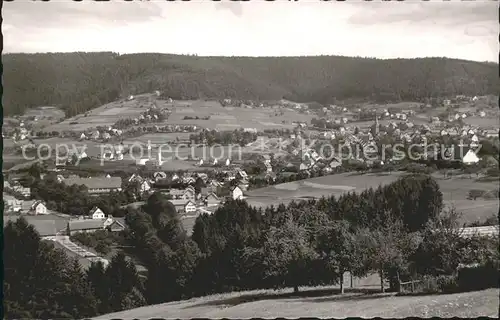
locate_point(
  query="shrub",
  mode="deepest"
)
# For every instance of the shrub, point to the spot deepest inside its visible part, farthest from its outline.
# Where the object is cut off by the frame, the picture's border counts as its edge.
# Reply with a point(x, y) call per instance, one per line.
point(475, 193)
point(418, 168)
point(448, 284)
point(437, 284)
point(478, 277)
point(102, 248)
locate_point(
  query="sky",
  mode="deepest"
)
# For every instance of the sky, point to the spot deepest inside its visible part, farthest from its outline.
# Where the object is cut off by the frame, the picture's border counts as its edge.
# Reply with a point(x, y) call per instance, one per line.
point(456, 29)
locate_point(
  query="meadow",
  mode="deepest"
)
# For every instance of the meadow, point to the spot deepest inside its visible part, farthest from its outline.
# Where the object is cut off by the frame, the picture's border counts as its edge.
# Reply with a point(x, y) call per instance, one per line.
point(53, 145)
point(220, 118)
point(231, 118)
point(455, 191)
point(322, 303)
point(106, 114)
point(48, 112)
point(159, 138)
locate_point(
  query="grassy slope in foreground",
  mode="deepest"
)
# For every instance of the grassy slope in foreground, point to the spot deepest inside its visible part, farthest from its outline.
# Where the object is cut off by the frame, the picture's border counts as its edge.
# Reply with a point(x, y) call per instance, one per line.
point(309, 304)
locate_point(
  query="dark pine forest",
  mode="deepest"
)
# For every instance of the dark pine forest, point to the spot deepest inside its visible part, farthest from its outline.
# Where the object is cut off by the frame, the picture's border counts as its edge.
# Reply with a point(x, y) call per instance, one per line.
point(80, 81)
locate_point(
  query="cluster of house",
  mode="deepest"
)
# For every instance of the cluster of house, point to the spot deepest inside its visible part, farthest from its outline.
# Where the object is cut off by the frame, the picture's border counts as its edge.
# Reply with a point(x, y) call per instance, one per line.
point(21, 133)
point(187, 200)
point(49, 224)
point(27, 207)
point(402, 131)
point(17, 188)
point(103, 134)
point(407, 131)
point(95, 220)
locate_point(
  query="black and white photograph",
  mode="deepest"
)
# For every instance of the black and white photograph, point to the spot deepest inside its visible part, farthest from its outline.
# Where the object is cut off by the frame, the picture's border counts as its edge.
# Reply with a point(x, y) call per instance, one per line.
point(250, 159)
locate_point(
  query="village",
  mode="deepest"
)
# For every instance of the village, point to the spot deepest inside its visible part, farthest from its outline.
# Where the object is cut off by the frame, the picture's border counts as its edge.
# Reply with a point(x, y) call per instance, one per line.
point(226, 177)
point(162, 166)
point(197, 182)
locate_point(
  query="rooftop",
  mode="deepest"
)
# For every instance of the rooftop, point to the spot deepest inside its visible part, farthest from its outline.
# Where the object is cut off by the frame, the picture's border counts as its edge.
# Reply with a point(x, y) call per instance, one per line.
point(86, 224)
point(96, 183)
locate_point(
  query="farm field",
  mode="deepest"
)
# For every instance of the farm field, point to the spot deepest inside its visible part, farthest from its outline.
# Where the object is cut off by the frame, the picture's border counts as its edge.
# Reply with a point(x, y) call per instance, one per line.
point(57, 223)
point(45, 112)
point(159, 138)
point(454, 191)
point(106, 114)
point(322, 303)
point(399, 105)
point(231, 118)
point(317, 187)
point(91, 148)
point(369, 123)
point(261, 145)
point(221, 118)
point(183, 153)
point(265, 145)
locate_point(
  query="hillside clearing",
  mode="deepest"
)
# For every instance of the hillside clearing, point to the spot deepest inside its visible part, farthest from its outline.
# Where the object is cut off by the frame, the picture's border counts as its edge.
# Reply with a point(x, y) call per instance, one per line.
point(455, 191)
point(322, 304)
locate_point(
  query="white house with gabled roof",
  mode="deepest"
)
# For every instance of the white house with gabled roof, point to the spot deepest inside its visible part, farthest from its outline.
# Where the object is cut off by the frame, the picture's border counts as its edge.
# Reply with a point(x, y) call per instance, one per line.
point(97, 213)
point(38, 207)
point(236, 193)
point(470, 157)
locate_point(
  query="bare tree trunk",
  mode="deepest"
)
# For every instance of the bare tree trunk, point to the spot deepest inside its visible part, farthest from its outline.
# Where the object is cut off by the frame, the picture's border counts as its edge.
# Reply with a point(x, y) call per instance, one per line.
point(382, 279)
point(341, 282)
point(352, 285)
point(398, 282)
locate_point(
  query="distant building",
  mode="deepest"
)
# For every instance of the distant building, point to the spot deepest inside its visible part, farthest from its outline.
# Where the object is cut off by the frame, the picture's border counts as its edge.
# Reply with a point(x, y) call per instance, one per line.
point(470, 157)
point(93, 225)
point(11, 203)
point(96, 185)
point(212, 200)
point(241, 174)
point(303, 167)
point(336, 162)
point(184, 206)
point(144, 186)
point(159, 175)
point(183, 194)
point(96, 214)
point(25, 192)
point(38, 207)
point(236, 193)
point(135, 177)
point(189, 194)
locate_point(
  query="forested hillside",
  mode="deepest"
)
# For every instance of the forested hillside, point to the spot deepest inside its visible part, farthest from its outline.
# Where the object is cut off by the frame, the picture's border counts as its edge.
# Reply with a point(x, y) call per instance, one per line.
point(82, 81)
